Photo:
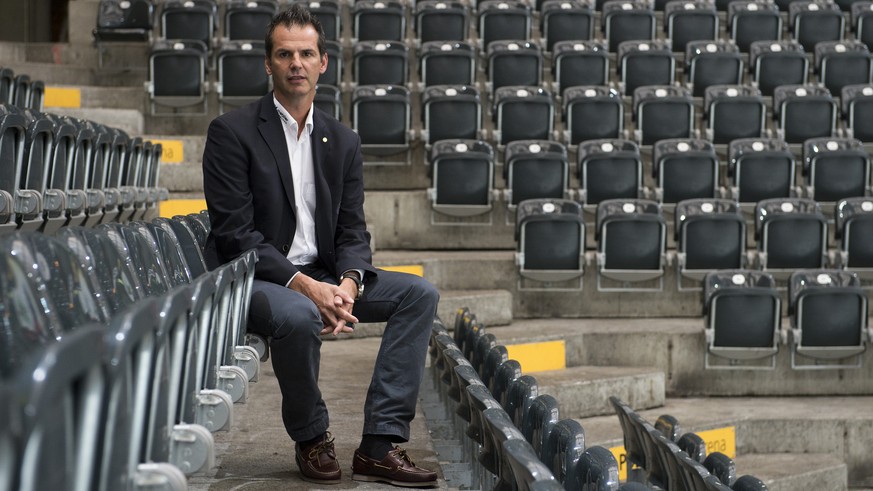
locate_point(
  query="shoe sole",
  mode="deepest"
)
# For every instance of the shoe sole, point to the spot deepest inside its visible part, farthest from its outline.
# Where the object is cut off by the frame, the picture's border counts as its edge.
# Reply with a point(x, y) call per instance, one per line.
point(319, 481)
point(403, 484)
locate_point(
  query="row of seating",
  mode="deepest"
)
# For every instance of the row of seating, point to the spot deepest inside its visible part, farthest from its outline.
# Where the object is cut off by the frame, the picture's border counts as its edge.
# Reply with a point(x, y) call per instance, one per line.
point(63, 171)
point(19, 90)
point(664, 456)
point(122, 355)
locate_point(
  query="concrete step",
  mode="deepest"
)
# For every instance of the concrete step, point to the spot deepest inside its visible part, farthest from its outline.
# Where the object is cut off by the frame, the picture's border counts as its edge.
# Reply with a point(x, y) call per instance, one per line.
point(79, 75)
point(584, 391)
point(93, 97)
point(129, 120)
point(818, 434)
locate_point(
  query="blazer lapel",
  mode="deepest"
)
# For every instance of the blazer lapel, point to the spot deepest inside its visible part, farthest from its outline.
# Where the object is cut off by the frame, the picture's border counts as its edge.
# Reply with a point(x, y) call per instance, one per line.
point(274, 135)
point(321, 146)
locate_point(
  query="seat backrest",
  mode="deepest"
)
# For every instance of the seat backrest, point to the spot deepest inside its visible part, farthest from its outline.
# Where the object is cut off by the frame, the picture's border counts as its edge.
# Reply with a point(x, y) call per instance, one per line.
point(722, 467)
point(750, 21)
point(564, 448)
point(248, 20)
point(380, 63)
point(541, 419)
point(536, 169)
point(437, 20)
point(596, 469)
point(378, 20)
point(381, 114)
point(522, 391)
point(512, 62)
point(524, 465)
point(593, 113)
point(523, 113)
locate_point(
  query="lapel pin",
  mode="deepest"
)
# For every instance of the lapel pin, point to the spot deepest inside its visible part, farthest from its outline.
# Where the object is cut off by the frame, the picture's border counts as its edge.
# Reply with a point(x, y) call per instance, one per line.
point(324, 139)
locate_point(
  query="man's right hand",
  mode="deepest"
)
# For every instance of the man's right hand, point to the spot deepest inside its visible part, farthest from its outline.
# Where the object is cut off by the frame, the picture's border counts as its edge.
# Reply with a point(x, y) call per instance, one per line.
point(333, 303)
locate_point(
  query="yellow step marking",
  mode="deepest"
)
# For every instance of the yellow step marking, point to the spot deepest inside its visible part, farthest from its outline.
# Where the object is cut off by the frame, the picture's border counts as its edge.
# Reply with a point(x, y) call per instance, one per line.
point(416, 269)
point(173, 151)
point(63, 97)
point(539, 357)
point(173, 207)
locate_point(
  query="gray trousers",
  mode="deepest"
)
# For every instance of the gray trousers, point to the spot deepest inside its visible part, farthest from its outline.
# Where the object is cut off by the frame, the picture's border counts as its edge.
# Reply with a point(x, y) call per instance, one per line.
point(406, 302)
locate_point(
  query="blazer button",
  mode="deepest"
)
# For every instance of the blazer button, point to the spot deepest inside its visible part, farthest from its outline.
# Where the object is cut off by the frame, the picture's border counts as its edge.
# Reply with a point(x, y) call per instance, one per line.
point(286, 248)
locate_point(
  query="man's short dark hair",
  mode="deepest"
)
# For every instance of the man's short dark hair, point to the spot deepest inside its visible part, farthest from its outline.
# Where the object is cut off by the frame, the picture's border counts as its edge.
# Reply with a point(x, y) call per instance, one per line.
point(295, 15)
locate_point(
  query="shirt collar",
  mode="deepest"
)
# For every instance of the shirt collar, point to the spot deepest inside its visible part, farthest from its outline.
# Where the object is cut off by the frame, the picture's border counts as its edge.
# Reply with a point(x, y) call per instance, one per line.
point(287, 119)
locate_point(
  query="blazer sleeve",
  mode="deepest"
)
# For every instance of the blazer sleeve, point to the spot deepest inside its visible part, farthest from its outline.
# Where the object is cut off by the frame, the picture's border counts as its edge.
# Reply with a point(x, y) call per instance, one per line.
point(226, 170)
point(352, 240)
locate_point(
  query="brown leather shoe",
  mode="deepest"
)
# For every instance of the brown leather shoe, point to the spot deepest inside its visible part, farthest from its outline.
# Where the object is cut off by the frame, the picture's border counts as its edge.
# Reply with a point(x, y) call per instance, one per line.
point(396, 468)
point(317, 462)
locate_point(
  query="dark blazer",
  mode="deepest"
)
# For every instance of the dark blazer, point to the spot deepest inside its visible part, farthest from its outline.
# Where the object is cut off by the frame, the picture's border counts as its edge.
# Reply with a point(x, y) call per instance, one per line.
point(250, 196)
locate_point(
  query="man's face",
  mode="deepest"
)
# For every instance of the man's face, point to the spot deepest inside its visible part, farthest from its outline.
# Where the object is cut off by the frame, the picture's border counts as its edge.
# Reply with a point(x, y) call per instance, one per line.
point(295, 63)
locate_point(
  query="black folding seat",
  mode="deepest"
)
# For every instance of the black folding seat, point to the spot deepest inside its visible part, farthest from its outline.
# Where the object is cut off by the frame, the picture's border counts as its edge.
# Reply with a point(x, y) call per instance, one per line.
point(732, 112)
point(247, 20)
point(30, 196)
point(690, 20)
point(775, 63)
point(692, 445)
point(550, 236)
point(189, 20)
point(381, 116)
point(564, 448)
point(684, 169)
point(721, 467)
point(828, 311)
point(857, 111)
point(748, 483)
point(802, 112)
point(97, 172)
point(520, 395)
point(335, 63)
point(861, 12)
point(13, 127)
point(579, 63)
point(535, 169)
point(542, 417)
point(77, 184)
point(596, 468)
point(36, 97)
point(709, 63)
point(514, 63)
point(328, 98)
point(21, 90)
point(239, 79)
point(329, 13)
point(462, 177)
point(177, 75)
point(642, 63)
point(591, 113)
point(447, 63)
point(527, 470)
point(380, 63)
point(623, 20)
point(609, 169)
point(498, 431)
point(636, 457)
point(124, 20)
point(814, 21)
point(792, 234)
point(662, 112)
point(7, 85)
point(441, 20)
point(854, 230)
point(562, 20)
point(842, 63)
point(835, 168)
point(503, 20)
point(711, 235)
point(523, 113)
point(378, 20)
point(631, 236)
point(753, 20)
point(760, 169)
point(60, 200)
point(505, 374)
point(451, 112)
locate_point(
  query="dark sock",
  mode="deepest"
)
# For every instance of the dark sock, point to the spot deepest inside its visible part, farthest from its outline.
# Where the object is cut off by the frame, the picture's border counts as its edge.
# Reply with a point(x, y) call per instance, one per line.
point(376, 446)
point(308, 443)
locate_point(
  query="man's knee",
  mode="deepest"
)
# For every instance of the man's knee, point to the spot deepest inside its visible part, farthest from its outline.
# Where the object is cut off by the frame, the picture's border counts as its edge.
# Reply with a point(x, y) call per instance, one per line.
point(299, 321)
point(424, 290)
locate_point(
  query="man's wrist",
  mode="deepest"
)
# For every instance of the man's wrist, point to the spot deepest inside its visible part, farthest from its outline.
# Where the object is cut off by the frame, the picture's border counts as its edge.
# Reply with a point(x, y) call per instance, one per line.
point(355, 276)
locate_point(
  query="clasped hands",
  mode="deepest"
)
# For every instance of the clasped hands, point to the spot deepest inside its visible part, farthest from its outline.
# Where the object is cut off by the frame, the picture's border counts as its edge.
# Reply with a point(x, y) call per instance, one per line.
point(334, 302)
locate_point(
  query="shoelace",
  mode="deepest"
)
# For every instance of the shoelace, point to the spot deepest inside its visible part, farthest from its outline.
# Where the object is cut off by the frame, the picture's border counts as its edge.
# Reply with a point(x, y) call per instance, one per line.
point(402, 455)
point(324, 446)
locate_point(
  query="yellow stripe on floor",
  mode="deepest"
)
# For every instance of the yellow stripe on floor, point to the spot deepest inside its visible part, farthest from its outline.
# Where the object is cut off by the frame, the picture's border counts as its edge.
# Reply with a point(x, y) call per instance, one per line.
point(416, 269)
point(62, 97)
point(538, 357)
point(173, 151)
point(173, 207)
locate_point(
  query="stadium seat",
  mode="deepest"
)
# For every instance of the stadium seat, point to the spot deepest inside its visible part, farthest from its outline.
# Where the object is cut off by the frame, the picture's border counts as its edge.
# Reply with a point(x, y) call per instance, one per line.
point(61, 201)
point(722, 467)
point(861, 22)
point(13, 127)
point(609, 169)
point(380, 63)
point(633, 444)
point(441, 20)
point(495, 357)
point(527, 470)
point(857, 102)
point(118, 20)
point(498, 431)
point(814, 21)
point(627, 20)
point(709, 63)
point(690, 20)
point(463, 176)
point(753, 20)
point(117, 149)
point(21, 90)
point(329, 13)
point(7, 85)
point(596, 469)
point(802, 112)
point(551, 240)
point(189, 20)
point(542, 417)
point(328, 98)
point(506, 373)
point(835, 168)
point(522, 113)
point(684, 169)
point(451, 112)
point(36, 96)
point(579, 63)
point(693, 445)
point(241, 78)
point(30, 198)
point(335, 64)
point(642, 63)
point(657, 472)
point(591, 113)
point(631, 237)
point(792, 234)
point(480, 351)
point(711, 236)
point(381, 116)
point(247, 20)
point(662, 112)
point(378, 20)
point(513, 63)
point(669, 454)
point(522, 391)
point(177, 71)
point(828, 311)
point(480, 401)
point(842, 63)
point(732, 112)
point(853, 228)
point(447, 63)
point(749, 483)
point(564, 448)
point(775, 63)
point(535, 169)
point(503, 20)
point(668, 425)
point(562, 20)
point(760, 169)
